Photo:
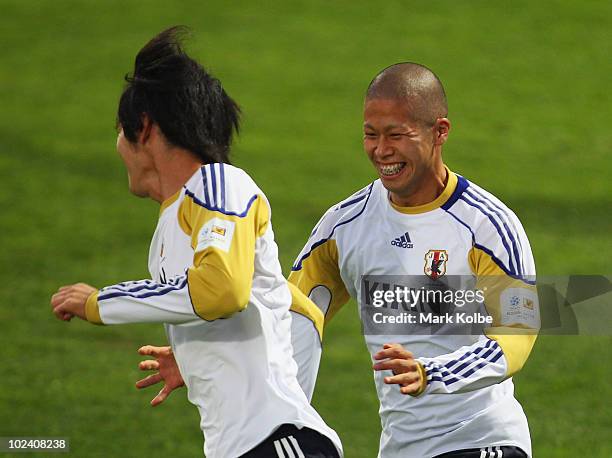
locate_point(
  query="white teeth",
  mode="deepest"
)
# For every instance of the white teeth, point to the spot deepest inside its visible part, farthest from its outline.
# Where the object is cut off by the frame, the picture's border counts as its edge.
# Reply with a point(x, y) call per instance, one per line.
point(391, 169)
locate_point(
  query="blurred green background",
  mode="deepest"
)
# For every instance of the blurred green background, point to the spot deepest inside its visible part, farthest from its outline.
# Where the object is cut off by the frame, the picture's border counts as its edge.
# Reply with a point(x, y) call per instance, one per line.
point(529, 94)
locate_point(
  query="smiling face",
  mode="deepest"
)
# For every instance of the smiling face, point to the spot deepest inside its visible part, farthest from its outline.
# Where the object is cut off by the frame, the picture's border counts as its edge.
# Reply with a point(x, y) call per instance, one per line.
point(406, 153)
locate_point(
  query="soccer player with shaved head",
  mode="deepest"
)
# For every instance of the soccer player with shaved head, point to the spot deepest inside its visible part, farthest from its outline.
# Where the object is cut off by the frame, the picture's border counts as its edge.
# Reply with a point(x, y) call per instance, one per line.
point(216, 282)
point(443, 393)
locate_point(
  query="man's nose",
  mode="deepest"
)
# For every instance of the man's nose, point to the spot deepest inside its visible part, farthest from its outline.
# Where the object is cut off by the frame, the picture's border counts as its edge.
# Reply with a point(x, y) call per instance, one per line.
point(382, 147)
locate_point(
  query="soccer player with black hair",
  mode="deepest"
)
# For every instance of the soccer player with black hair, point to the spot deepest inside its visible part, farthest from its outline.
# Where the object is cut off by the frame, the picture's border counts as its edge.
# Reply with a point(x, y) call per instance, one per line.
point(216, 280)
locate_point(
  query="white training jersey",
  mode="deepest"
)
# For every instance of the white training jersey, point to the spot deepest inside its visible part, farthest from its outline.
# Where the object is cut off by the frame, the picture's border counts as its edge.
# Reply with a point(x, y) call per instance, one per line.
point(218, 287)
point(467, 400)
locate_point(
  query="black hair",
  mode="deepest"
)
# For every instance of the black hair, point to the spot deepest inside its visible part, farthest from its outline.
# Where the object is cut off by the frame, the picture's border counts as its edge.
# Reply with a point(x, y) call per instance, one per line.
point(175, 92)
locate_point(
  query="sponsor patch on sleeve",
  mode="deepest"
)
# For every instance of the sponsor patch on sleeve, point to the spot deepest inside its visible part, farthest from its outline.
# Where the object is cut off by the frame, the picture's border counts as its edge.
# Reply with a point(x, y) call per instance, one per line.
point(216, 233)
point(520, 306)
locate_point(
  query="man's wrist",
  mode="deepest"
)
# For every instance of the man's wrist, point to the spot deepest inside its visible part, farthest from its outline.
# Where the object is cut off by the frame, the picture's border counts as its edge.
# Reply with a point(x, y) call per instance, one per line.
point(92, 310)
point(423, 378)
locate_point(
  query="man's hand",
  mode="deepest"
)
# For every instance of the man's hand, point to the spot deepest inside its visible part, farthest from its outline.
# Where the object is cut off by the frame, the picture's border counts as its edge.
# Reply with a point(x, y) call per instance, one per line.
point(165, 363)
point(70, 301)
point(405, 369)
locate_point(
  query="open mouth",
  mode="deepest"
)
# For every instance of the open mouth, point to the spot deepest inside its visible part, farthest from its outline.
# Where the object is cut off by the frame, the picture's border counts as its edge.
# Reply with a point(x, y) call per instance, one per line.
point(390, 170)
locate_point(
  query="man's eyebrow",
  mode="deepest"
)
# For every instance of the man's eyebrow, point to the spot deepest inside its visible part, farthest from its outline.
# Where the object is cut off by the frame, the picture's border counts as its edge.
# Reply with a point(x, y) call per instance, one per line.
point(389, 127)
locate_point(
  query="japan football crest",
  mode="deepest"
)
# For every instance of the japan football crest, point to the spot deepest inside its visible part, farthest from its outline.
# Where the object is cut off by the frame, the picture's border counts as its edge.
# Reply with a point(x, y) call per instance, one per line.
point(435, 263)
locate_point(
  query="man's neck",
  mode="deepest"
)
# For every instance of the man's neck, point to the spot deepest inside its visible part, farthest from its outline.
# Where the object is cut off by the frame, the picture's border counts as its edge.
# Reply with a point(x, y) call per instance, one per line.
point(174, 167)
point(430, 188)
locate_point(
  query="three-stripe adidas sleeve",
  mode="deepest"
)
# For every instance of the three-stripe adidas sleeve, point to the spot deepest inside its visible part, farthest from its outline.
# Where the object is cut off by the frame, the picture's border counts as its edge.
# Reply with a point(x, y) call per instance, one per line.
point(217, 285)
point(142, 301)
point(511, 300)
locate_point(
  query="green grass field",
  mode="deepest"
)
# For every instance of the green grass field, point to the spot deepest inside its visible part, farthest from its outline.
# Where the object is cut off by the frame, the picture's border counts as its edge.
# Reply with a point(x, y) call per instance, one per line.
point(528, 87)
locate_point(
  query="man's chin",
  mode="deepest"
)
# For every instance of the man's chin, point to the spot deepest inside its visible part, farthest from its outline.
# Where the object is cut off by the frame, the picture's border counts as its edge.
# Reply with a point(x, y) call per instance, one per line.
point(394, 186)
point(138, 192)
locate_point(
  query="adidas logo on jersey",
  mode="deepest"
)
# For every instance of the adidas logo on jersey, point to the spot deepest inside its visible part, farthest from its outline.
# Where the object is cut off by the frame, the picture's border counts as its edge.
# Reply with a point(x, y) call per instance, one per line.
point(403, 241)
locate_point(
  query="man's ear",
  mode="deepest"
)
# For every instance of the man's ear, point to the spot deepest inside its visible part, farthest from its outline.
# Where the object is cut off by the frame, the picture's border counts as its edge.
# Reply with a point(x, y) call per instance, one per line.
point(441, 129)
point(147, 125)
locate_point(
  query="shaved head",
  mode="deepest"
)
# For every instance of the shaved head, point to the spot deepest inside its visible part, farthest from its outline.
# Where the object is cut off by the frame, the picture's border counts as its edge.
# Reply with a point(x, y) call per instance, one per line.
point(414, 84)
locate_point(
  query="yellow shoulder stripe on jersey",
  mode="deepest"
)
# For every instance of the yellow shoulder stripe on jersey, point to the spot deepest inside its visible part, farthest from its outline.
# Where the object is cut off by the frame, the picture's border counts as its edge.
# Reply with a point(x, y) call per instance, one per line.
point(224, 260)
point(92, 311)
point(304, 306)
point(516, 339)
point(169, 201)
point(451, 185)
point(320, 268)
point(186, 209)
